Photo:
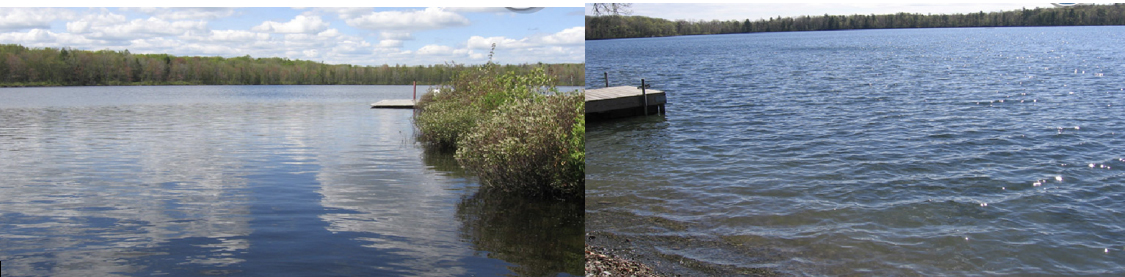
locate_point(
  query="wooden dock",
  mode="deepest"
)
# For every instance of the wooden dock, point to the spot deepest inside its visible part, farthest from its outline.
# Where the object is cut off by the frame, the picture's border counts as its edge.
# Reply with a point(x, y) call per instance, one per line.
point(602, 103)
point(623, 101)
point(394, 104)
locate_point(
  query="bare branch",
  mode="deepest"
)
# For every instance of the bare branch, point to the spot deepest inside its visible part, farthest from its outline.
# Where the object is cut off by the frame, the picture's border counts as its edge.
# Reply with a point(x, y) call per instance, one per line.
point(612, 9)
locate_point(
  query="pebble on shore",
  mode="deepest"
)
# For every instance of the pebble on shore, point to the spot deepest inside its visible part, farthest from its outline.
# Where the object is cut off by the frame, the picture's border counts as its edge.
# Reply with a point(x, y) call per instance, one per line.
point(602, 265)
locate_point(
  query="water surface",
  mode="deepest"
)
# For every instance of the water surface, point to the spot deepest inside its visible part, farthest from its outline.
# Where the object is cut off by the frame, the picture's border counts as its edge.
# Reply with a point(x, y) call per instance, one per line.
point(876, 152)
point(252, 180)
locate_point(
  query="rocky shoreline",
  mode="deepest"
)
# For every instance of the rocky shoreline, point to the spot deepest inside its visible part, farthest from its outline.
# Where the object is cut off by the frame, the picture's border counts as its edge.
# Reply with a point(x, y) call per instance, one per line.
point(622, 240)
point(598, 264)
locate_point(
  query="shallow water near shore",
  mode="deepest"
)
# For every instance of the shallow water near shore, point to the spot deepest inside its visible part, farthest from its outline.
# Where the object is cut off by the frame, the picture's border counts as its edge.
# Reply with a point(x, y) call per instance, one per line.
point(252, 180)
point(875, 152)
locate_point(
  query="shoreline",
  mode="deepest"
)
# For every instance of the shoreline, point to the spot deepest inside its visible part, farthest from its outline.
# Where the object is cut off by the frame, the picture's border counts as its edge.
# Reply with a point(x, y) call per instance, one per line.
point(639, 256)
point(598, 264)
point(645, 241)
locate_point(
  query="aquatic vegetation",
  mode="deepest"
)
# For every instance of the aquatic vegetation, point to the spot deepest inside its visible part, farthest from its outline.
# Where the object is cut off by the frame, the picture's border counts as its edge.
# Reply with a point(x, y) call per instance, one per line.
point(532, 146)
point(514, 130)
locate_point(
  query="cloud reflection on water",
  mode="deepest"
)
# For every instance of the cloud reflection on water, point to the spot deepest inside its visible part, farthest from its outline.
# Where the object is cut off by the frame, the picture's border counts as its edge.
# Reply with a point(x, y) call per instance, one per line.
point(83, 196)
point(247, 183)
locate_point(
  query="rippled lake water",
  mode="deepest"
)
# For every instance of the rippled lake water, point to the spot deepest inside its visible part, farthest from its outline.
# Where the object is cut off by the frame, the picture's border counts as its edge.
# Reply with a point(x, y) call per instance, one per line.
point(876, 152)
point(252, 180)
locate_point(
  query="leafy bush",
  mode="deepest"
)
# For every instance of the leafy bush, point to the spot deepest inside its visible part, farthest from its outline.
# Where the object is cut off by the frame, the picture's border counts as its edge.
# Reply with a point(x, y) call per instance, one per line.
point(578, 144)
point(531, 146)
point(441, 123)
point(514, 130)
point(473, 95)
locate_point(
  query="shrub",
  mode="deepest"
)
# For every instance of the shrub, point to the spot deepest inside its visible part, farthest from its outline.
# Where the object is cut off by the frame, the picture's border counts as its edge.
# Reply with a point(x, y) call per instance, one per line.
point(442, 117)
point(472, 95)
point(444, 124)
point(515, 131)
point(578, 144)
point(534, 146)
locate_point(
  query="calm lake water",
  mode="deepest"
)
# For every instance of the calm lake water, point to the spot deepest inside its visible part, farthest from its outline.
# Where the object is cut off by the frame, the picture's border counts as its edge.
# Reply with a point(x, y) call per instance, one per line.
point(971, 151)
point(252, 180)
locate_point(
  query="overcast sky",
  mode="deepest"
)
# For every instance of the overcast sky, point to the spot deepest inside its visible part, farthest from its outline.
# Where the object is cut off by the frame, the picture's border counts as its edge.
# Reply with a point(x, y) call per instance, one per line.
point(756, 11)
point(361, 36)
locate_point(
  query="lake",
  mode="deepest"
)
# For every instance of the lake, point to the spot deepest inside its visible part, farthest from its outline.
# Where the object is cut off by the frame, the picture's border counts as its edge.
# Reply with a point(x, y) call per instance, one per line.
point(972, 151)
point(252, 180)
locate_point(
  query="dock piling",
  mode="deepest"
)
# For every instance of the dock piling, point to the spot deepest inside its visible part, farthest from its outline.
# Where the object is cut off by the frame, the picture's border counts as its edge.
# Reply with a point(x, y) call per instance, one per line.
point(644, 96)
point(606, 79)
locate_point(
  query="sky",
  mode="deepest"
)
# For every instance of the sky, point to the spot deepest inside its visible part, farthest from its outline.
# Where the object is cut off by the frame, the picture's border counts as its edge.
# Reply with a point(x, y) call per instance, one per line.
point(358, 36)
point(756, 11)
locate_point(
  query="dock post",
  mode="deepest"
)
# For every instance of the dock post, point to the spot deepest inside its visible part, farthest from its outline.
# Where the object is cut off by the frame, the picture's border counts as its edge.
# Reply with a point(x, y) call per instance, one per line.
point(415, 91)
point(606, 79)
point(644, 96)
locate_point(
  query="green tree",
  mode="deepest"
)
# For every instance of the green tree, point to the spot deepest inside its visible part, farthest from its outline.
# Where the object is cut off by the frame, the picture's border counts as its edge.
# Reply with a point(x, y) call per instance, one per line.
point(62, 66)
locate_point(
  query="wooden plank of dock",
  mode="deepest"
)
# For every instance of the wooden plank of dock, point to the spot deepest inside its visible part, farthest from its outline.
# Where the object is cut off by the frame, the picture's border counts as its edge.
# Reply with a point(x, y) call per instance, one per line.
point(623, 101)
point(394, 104)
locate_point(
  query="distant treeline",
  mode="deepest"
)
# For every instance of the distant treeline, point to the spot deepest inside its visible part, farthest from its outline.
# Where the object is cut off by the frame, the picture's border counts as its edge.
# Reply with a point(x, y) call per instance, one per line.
point(22, 66)
point(615, 26)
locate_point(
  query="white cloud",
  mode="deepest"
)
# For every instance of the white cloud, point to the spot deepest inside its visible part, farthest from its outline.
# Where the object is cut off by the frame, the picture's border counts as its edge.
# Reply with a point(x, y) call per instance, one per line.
point(329, 33)
point(237, 36)
point(390, 43)
point(344, 13)
point(72, 39)
point(78, 27)
point(428, 19)
point(353, 48)
point(396, 35)
point(15, 19)
point(207, 50)
point(567, 45)
point(478, 42)
point(83, 25)
point(185, 13)
point(444, 53)
point(311, 53)
point(300, 24)
point(571, 36)
point(153, 45)
point(307, 38)
point(149, 27)
point(382, 37)
point(47, 38)
point(30, 37)
point(432, 50)
point(477, 9)
point(110, 26)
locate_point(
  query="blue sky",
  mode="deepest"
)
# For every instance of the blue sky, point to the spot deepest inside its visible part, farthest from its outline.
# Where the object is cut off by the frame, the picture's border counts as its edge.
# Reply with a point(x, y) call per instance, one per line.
point(361, 36)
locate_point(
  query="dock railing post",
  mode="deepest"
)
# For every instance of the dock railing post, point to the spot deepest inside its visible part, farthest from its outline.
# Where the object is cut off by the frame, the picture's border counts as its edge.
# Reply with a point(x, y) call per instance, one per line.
point(606, 79)
point(644, 96)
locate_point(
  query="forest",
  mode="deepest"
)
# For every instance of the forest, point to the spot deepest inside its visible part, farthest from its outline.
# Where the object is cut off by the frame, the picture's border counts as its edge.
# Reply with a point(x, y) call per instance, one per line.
point(23, 66)
point(617, 26)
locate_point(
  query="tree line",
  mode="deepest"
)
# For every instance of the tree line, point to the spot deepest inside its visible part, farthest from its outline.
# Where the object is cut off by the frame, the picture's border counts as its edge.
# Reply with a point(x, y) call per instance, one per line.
point(23, 66)
point(617, 26)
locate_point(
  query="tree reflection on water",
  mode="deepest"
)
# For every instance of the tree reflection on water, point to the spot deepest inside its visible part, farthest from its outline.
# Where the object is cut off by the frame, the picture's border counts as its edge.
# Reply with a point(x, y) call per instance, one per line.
point(541, 237)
